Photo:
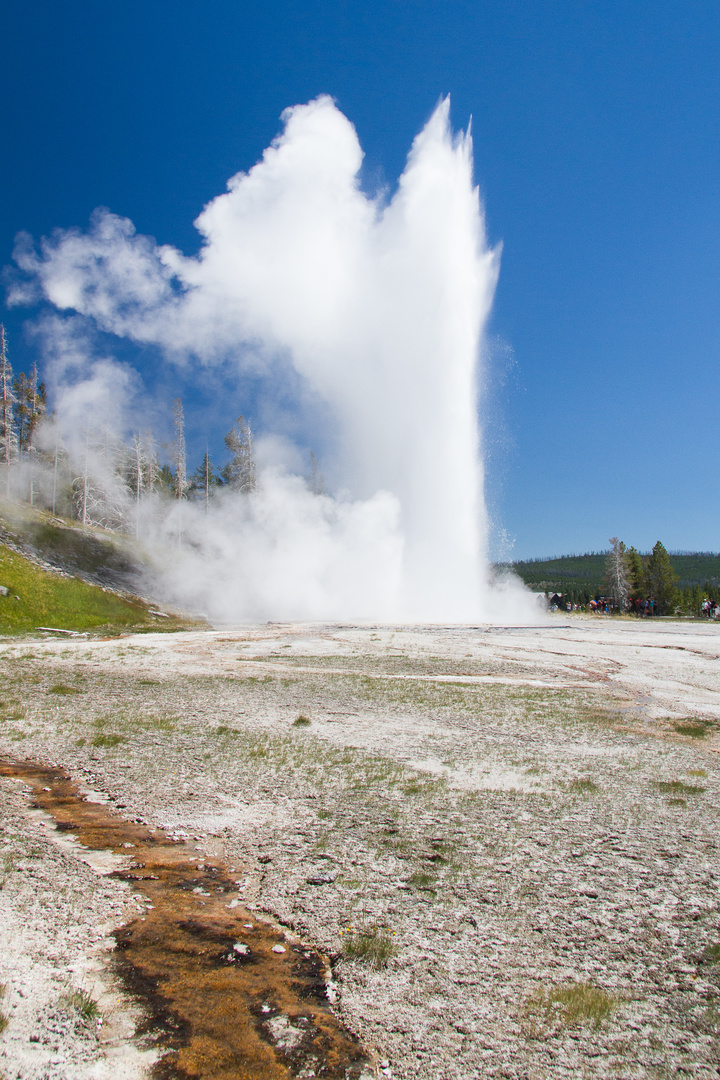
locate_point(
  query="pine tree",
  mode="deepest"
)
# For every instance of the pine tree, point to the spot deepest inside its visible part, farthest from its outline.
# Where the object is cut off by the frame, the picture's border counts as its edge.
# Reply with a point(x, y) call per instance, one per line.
point(239, 473)
point(204, 479)
point(636, 574)
point(617, 574)
point(662, 580)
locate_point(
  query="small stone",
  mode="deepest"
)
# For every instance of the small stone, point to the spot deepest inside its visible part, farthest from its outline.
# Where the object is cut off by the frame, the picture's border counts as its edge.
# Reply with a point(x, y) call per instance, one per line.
point(241, 948)
point(279, 948)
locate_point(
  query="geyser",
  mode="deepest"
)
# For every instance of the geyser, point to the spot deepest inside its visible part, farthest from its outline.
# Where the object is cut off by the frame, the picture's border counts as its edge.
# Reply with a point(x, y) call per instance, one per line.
point(378, 307)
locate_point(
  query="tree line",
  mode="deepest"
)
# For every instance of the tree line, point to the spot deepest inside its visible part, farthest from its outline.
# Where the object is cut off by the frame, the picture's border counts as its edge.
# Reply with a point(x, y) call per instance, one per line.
point(99, 478)
point(648, 584)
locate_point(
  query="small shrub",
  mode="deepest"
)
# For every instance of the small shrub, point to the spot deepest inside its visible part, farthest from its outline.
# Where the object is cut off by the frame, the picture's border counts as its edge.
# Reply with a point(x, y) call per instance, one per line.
point(372, 945)
point(3, 1017)
point(302, 721)
point(107, 740)
point(63, 690)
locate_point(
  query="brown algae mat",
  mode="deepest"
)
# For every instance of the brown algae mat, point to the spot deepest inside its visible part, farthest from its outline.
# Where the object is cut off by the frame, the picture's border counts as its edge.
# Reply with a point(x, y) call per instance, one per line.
point(224, 995)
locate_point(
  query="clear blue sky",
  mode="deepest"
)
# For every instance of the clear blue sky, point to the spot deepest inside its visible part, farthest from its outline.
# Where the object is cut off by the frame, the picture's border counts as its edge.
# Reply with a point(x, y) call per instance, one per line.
point(596, 131)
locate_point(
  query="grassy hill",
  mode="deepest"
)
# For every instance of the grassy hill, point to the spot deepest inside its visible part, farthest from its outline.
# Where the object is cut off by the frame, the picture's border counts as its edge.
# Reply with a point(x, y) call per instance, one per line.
point(63, 576)
point(586, 573)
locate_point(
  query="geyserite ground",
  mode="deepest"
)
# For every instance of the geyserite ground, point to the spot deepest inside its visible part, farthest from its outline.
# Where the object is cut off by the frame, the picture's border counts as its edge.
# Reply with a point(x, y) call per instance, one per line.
point(530, 815)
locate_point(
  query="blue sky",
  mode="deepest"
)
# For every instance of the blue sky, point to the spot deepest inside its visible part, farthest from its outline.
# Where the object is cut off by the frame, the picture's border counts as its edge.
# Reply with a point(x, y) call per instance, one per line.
point(596, 134)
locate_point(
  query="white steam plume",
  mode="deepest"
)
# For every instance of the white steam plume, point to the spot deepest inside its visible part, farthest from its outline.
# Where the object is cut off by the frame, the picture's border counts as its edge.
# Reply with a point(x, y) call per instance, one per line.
point(380, 309)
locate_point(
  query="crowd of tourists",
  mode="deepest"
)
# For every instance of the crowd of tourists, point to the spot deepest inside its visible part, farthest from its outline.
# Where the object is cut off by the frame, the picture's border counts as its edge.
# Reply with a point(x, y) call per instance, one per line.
point(644, 608)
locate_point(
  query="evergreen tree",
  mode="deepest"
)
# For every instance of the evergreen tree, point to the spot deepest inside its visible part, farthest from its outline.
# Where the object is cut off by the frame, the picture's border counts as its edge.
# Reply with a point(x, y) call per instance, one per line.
point(636, 574)
point(239, 473)
point(661, 580)
point(166, 479)
point(617, 575)
point(204, 479)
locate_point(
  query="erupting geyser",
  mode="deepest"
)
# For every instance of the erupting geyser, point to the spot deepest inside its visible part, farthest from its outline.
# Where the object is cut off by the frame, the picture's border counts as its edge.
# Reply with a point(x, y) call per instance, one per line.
point(377, 308)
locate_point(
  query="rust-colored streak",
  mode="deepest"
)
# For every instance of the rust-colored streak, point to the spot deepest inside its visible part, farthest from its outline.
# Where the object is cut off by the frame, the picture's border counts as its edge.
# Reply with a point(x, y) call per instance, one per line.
point(217, 998)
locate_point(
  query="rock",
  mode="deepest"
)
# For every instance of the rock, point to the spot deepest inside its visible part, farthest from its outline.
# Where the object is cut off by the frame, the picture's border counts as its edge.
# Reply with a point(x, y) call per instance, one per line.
point(4, 591)
point(279, 948)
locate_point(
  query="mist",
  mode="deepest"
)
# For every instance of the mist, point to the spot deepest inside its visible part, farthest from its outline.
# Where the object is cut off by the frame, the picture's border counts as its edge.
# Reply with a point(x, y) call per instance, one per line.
point(370, 309)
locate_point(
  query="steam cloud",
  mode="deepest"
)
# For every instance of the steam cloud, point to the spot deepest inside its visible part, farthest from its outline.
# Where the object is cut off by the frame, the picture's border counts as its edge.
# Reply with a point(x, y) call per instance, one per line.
point(378, 310)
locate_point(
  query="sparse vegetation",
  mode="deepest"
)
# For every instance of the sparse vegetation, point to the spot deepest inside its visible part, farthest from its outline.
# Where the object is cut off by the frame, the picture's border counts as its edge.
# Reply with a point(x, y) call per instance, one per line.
point(3, 1016)
point(568, 1006)
point(696, 729)
point(372, 945)
point(107, 740)
point(583, 785)
point(82, 1003)
point(711, 954)
point(677, 787)
point(63, 691)
point(301, 721)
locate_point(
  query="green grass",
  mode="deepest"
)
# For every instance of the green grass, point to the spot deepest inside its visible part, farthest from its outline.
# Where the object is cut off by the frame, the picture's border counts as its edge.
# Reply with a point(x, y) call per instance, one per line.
point(583, 786)
point(112, 739)
point(422, 880)
point(711, 954)
point(63, 691)
point(48, 599)
point(81, 1002)
point(570, 1006)
point(371, 945)
point(302, 721)
point(696, 729)
point(3, 1017)
point(677, 787)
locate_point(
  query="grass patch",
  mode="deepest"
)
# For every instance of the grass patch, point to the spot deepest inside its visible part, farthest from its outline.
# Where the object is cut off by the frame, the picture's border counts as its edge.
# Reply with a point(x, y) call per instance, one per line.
point(568, 1006)
point(111, 739)
point(48, 599)
point(372, 945)
point(302, 721)
point(696, 729)
point(677, 787)
point(583, 786)
point(63, 690)
point(711, 954)
point(82, 1003)
point(422, 880)
point(3, 1017)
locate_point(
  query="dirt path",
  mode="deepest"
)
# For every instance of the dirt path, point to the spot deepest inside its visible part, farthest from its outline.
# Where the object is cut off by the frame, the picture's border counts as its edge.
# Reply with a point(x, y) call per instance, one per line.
point(505, 838)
